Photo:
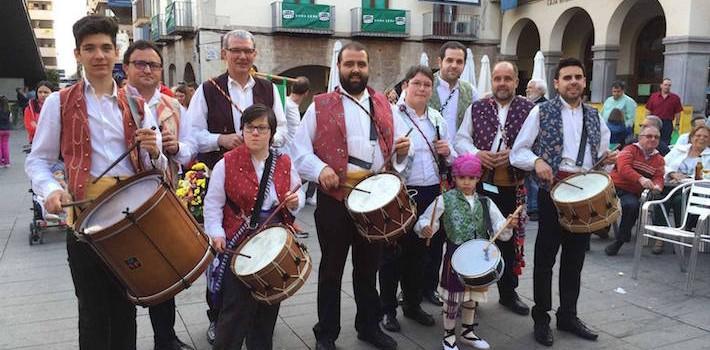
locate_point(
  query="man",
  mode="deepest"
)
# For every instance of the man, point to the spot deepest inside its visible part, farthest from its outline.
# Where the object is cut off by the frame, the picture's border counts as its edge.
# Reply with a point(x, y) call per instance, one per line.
point(639, 167)
point(89, 125)
point(402, 263)
point(451, 97)
point(536, 90)
point(218, 103)
point(299, 92)
point(667, 106)
point(143, 64)
point(549, 143)
point(650, 120)
point(345, 136)
point(620, 100)
point(489, 130)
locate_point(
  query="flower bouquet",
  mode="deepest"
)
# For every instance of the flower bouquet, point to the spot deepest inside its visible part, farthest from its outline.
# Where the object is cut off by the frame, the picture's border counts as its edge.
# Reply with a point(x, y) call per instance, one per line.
point(193, 188)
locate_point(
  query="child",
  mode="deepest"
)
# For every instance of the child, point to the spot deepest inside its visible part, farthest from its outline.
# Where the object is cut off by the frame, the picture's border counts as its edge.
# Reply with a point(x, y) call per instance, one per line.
point(464, 215)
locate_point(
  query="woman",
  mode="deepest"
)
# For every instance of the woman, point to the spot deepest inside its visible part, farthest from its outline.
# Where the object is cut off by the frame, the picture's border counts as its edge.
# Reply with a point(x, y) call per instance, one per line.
point(44, 88)
point(5, 127)
point(232, 197)
point(684, 139)
point(183, 95)
point(616, 126)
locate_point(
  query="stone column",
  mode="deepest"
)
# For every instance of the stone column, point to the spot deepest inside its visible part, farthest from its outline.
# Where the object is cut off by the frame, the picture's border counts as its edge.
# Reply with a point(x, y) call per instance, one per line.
point(552, 58)
point(686, 64)
point(605, 60)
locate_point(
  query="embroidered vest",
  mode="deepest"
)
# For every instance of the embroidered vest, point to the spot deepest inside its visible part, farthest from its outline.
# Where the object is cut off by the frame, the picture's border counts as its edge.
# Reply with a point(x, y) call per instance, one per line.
point(168, 116)
point(241, 187)
point(465, 99)
point(220, 119)
point(75, 140)
point(330, 143)
point(463, 223)
point(549, 142)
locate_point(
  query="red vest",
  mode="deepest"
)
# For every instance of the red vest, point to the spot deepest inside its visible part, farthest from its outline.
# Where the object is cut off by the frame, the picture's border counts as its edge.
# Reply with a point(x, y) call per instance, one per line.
point(75, 144)
point(241, 187)
point(330, 143)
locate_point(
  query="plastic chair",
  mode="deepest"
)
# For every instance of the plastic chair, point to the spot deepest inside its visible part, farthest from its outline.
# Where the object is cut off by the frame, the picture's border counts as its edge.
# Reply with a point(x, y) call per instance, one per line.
point(697, 203)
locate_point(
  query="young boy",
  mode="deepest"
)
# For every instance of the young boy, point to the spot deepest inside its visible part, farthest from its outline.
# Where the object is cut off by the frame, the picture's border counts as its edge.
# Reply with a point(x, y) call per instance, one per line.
point(464, 215)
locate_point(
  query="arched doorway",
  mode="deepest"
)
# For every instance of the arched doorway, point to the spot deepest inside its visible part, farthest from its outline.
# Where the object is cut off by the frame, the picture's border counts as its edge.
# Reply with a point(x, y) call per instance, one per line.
point(171, 75)
point(649, 58)
point(188, 75)
point(317, 75)
point(528, 45)
point(577, 41)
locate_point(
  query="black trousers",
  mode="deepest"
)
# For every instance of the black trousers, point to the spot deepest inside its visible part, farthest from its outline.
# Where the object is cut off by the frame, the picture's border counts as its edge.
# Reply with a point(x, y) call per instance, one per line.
point(107, 320)
point(243, 317)
point(630, 207)
point(403, 262)
point(212, 310)
point(505, 201)
point(550, 237)
point(162, 318)
point(336, 233)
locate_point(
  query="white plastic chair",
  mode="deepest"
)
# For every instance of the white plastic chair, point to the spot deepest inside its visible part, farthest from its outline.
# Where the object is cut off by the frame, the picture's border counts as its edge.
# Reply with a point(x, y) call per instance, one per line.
point(697, 203)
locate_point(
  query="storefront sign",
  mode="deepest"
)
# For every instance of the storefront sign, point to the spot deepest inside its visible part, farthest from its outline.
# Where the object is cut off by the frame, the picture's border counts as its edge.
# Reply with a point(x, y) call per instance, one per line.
point(305, 16)
point(556, 2)
point(384, 21)
point(454, 2)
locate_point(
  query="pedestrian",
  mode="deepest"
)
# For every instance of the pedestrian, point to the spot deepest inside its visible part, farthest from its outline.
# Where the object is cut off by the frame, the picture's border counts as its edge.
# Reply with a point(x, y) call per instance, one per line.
point(5, 127)
point(32, 111)
point(667, 106)
point(620, 100)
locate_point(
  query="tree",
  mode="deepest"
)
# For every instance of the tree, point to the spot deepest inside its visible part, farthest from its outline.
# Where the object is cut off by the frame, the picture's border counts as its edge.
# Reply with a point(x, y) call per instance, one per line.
point(53, 76)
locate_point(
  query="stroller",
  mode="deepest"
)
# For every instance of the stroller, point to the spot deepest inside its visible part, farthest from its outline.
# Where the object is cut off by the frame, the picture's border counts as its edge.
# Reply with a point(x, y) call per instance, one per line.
point(41, 219)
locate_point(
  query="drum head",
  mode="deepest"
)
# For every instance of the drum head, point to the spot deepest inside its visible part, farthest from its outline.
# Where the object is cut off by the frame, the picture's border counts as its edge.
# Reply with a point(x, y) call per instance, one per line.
point(592, 184)
point(383, 189)
point(262, 248)
point(110, 210)
point(470, 260)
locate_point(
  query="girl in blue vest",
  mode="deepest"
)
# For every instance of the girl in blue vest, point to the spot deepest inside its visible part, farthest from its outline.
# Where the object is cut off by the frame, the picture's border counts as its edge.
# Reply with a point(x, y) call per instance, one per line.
point(465, 216)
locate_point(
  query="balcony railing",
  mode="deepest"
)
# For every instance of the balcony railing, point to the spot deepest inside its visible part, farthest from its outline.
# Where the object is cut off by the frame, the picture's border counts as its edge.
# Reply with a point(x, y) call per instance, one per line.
point(460, 27)
point(179, 18)
point(142, 32)
point(142, 11)
point(302, 18)
point(379, 22)
point(157, 29)
point(44, 33)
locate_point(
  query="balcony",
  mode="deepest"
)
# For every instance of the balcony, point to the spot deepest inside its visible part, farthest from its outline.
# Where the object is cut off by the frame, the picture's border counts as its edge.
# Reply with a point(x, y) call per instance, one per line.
point(179, 18)
point(142, 32)
point(157, 29)
point(302, 18)
point(142, 12)
point(122, 8)
point(48, 51)
point(44, 33)
point(459, 27)
point(389, 23)
point(45, 15)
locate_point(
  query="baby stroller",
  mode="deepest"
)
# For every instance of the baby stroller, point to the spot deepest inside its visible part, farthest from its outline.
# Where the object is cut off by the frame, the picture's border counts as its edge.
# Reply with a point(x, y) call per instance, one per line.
point(41, 219)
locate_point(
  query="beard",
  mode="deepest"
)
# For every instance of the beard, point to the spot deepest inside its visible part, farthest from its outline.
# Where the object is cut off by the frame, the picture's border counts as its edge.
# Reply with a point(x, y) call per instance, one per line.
point(354, 88)
point(503, 95)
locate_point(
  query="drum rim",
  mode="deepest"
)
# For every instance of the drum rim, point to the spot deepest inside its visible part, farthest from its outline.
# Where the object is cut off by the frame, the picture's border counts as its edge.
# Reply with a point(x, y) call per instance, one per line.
point(401, 186)
point(499, 258)
point(554, 188)
point(85, 214)
point(289, 238)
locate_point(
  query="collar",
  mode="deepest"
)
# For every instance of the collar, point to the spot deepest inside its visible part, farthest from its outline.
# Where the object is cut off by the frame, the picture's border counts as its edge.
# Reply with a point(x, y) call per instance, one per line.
point(362, 100)
point(445, 84)
point(567, 106)
point(154, 100)
point(648, 155)
point(250, 84)
point(500, 106)
point(89, 88)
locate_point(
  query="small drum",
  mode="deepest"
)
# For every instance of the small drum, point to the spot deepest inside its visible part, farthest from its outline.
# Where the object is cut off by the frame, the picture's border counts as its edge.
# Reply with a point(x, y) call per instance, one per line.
point(273, 264)
point(147, 238)
point(593, 207)
point(381, 207)
point(476, 267)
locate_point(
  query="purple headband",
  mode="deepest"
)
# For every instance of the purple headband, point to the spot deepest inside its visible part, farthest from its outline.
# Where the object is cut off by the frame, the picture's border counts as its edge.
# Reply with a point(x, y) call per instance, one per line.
point(467, 165)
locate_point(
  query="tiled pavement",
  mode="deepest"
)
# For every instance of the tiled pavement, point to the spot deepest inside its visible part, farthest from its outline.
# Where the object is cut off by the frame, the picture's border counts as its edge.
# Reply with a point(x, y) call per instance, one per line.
point(38, 307)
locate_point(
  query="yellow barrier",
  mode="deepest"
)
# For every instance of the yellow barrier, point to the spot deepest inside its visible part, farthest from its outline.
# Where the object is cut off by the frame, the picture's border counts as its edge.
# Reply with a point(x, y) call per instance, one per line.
point(685, 116)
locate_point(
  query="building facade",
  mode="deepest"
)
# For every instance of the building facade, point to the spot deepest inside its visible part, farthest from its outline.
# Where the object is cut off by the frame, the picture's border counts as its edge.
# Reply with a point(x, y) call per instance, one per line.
point(42, 19)
point(637, 41)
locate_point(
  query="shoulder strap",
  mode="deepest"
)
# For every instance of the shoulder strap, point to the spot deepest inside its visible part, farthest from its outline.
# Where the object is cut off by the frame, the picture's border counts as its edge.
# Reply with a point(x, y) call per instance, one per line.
point(486, 214)
point(263, 184)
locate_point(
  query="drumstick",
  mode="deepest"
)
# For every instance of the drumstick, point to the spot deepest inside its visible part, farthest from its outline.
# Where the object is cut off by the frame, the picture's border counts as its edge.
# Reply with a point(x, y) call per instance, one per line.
point(120, 158)
point(606, 155)
point(354, 188)
point(234, 252)
point(431, 222)
point(393, 153)
point(279, 207)
point(77, 203)
point(571, 184)
point(507, 222)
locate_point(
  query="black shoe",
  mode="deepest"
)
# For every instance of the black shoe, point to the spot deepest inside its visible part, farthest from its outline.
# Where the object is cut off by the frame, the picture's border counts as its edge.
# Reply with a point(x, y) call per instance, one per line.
point(533, 216)
point(400, 298)
point(516, 305)
point(212, 332)
point(577, 327)
point(433, 298)
point(176, 344)
point(325, 345)
point(417, 314)
point(613, 248)
point(390, 323)
point(543, 334)
point(378, 339)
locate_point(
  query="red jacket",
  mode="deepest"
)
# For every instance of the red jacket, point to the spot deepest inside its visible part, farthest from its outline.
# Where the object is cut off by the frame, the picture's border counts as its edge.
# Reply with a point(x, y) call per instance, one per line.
point(631, 164)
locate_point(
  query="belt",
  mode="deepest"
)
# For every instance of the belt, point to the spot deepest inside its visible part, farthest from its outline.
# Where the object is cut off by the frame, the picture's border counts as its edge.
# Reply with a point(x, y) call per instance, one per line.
point(359, 162)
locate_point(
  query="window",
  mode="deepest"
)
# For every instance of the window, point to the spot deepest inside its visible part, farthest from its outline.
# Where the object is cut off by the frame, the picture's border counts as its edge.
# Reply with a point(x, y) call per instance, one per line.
point(375, 4)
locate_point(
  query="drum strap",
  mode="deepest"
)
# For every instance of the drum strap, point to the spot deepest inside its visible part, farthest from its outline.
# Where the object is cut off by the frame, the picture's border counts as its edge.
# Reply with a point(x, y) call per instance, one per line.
point(582, 145)
point(486, 214)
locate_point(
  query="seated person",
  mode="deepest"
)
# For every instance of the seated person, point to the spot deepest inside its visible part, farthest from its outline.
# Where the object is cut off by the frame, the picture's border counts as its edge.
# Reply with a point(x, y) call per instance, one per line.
point(649, 120)
point(639, 166)
point(683, 139)
point(616, 126)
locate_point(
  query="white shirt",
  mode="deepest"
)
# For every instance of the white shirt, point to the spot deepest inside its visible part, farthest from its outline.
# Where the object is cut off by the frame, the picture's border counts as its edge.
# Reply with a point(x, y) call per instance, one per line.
point(243, 96)
point(357, 126)
point(522, 156)
point(497, 219)
point(293, 120)
point(422, 169)
point(464, 136)
point(216, 197)
point(449, 112)
point(187, 148)
point(106, 135)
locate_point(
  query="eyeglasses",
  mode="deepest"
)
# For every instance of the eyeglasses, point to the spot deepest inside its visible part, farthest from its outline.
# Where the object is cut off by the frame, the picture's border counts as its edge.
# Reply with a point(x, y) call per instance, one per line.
point(262, 129)
point(239, 50)
point(143, 64)
point(419, 85)
point(651, 136)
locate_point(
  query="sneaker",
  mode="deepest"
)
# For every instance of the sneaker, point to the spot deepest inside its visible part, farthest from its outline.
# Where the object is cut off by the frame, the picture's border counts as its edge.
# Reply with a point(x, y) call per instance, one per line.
point(311, 201)
point(471, 339)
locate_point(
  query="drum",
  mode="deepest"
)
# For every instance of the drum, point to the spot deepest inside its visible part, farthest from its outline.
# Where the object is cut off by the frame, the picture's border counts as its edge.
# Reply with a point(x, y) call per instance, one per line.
point(147, 238)
point(590, 208)
point(381, 208)
point(272, 264)
point(502, 176)
point(476, 267)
